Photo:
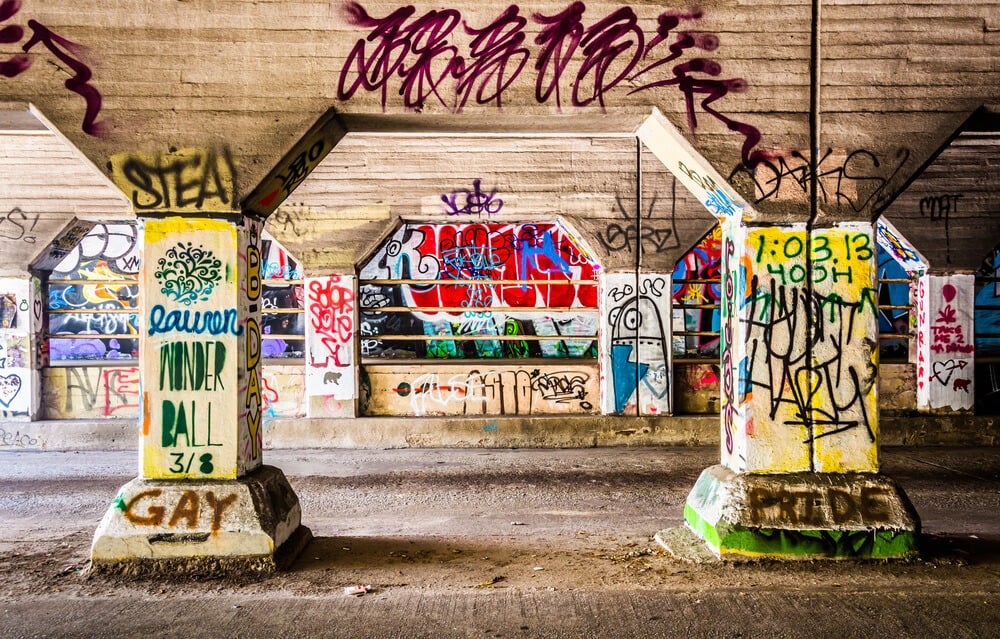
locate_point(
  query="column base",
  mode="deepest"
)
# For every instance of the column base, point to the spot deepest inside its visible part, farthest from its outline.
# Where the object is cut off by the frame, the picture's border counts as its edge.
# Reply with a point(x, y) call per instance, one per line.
point(800, 516)
point(208, 527)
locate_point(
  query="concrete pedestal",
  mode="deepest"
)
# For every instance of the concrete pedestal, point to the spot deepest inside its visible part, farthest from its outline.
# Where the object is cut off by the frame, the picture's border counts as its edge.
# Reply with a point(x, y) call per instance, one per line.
point(250, 524)
point(800, 515)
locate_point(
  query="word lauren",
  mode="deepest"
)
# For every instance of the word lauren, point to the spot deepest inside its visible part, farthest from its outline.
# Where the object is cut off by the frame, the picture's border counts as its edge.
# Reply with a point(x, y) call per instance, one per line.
point(194, 322)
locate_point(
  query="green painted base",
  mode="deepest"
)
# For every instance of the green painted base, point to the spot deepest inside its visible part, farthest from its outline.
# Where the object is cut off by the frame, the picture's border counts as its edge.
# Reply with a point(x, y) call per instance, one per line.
point(803, 544)
point(802, 516)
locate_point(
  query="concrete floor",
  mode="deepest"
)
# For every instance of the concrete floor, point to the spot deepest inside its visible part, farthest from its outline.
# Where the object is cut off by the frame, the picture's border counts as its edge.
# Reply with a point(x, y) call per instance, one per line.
point(500, 543)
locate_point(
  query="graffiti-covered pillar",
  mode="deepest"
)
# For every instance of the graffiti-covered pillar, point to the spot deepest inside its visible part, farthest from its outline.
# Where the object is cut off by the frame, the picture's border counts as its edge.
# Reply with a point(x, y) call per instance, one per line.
point(945, 344)
point(635, 344)
point(330, 358)
point(204, 497)
point(799, 420)
point(799, 350)
point(21, 353)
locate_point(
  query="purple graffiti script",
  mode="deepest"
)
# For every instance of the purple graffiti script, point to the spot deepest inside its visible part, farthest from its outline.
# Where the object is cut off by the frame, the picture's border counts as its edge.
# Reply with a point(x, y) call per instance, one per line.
point(67, 51)
point(474, 202)
point(594, 58)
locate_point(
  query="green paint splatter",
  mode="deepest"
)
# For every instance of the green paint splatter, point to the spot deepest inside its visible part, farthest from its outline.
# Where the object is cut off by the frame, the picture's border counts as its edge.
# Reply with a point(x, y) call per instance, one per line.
point(834, 544)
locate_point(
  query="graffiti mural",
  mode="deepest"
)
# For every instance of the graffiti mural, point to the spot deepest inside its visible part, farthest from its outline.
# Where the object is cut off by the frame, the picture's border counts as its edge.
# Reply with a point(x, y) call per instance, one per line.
point(987, 334)
point(20, 323)
point(579, 59)
point(799, 360)
point(945, 342)
point(194, 413)
point(696, 293)
point(636, 341)
point(482, 291)
point(93, 296)
point(895, 315)
point(282, 322)
point(453, 390)
point(330, 330)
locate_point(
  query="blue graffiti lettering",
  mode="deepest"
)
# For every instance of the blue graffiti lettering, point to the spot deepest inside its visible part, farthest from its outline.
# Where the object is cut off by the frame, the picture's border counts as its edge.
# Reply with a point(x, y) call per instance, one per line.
point(536, 252)
point(197, 323)
point(720, 203)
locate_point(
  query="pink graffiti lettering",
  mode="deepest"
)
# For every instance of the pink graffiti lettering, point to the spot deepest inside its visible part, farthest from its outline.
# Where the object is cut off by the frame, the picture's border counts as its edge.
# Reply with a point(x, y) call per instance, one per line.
point(121, 390)
point(67, 51)
point(497, 58)
point(593, 58)
point(331, 308)
point(947, 334)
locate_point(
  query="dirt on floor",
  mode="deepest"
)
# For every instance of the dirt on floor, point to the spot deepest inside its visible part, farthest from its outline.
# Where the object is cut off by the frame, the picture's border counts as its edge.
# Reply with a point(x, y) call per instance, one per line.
point(446, 521)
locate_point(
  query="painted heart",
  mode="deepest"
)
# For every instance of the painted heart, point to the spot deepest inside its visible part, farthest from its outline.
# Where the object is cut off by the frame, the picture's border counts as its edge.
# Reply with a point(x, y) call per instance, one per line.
point(10, 386)
point(942, 371)
point(656, 380)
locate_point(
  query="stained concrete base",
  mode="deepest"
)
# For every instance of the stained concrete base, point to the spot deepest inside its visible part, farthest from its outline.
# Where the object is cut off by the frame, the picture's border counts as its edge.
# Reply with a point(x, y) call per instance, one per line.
point(800, 516)
point(683, 544)
point(202, 527)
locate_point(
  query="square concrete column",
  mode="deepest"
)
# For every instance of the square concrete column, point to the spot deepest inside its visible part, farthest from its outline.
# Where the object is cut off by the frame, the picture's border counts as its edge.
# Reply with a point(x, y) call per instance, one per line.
point(946, 343)
point(21, 338)
point(799, 350)
point(636, 355)
point(799, 420)
point(204, 501)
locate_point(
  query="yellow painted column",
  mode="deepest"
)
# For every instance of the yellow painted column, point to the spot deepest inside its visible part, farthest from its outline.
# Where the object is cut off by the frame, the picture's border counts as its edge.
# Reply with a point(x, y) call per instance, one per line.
point(200, 347)
point(799, 474)
point(799, 349)
point(204, 503)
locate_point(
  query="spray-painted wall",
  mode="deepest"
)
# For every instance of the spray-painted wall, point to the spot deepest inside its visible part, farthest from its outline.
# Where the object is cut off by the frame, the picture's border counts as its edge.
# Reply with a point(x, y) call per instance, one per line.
point(492, 389)
point(636, 344)
point(945, 342)
point(20, 321)
point(331, 363)
point(496, 292)
point(637, 374)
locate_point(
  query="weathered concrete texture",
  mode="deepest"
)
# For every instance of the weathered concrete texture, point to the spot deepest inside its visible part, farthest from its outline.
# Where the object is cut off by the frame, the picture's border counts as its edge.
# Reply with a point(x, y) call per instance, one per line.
point(487, 432)
point(948, 430)
point(251, 524)
point(802, 515)
point(492, 432)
